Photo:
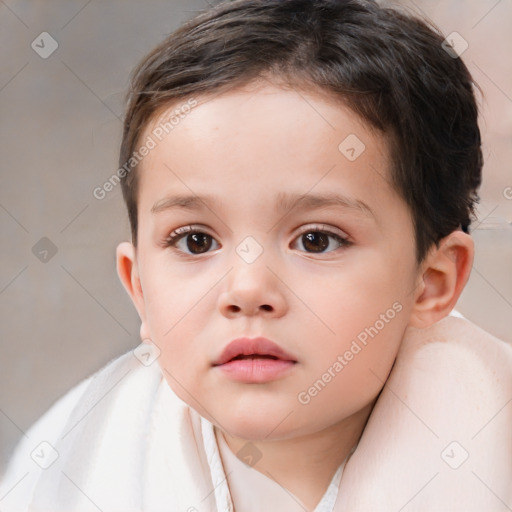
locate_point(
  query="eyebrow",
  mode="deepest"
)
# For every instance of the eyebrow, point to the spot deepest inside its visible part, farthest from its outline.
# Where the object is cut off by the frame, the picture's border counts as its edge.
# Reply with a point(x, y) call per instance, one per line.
point(285, 202)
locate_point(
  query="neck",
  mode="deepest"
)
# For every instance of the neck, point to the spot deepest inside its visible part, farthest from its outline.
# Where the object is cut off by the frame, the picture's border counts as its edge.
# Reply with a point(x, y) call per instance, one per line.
point(305, 465)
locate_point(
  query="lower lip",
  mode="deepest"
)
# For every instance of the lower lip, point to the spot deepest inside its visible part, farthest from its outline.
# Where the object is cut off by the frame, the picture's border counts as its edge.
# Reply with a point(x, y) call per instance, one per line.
point(256, 370)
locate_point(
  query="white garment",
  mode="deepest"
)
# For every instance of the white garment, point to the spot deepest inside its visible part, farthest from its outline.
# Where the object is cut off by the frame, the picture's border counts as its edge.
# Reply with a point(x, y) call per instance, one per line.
point(114, 449)
point(114, 436)
point(123, 441)
point(249, 485)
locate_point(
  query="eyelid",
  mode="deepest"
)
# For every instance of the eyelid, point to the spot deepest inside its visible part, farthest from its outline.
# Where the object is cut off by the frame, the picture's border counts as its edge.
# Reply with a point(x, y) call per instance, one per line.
point(189, 228)
point(324, 228)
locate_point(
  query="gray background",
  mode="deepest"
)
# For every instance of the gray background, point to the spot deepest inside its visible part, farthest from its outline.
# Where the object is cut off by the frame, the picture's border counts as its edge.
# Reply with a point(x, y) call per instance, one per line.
point(64, 315)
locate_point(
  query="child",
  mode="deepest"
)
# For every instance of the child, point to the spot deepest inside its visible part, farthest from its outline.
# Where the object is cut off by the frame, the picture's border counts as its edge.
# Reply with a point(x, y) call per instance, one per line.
point(300, 178)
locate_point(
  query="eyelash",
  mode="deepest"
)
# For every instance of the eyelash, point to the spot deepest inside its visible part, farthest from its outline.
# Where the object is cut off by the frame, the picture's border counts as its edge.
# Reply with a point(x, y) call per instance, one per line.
point(180, 233)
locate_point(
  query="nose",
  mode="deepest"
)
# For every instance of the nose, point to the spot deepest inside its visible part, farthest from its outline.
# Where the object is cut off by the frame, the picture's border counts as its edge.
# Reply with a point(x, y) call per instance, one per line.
point(253, 289)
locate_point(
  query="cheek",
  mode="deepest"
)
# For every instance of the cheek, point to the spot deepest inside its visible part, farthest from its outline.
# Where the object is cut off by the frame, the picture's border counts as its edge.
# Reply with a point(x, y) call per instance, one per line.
point(170, 316)
point(169, 297)
point(353, 297)
point(364, 313)
point(351, 373)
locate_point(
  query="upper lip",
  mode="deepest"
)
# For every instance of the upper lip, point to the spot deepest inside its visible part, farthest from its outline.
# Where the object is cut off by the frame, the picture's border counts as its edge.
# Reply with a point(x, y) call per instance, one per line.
point(250, 346)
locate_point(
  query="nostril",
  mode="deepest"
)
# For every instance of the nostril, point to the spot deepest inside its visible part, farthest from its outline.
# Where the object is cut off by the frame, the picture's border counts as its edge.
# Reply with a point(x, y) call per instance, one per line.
point(236, 309)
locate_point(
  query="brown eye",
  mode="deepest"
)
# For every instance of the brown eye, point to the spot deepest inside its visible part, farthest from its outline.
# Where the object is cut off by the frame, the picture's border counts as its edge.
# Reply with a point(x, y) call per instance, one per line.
point(189, 241)
point(198, 243)
point(315, 241)
point(318, 241)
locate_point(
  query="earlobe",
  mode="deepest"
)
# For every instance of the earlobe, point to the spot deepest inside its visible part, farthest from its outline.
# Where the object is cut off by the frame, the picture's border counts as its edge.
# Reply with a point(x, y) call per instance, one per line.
point(128, 272)
point(444, 274)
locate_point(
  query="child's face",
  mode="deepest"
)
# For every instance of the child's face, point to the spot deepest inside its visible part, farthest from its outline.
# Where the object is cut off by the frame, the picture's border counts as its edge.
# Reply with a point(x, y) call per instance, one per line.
point(311, 295)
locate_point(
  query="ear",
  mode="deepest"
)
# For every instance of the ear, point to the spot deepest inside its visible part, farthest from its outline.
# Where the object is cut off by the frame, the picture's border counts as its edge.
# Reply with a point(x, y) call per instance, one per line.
point(128, 272)
point(442, 277)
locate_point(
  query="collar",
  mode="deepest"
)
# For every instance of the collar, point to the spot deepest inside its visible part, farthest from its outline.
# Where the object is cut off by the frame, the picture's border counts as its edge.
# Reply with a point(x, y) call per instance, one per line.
point(221, 459)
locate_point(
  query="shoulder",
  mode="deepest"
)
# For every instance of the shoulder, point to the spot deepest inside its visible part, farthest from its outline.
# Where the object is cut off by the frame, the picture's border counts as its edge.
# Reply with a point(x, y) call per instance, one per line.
point(457, 340)
point(458, 377)
point(35, 450)
point(441, 424)
point(39, 446)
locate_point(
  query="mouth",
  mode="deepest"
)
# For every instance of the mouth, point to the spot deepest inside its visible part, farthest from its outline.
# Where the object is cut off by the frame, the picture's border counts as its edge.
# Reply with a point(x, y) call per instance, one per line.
point(253, 356)
point(253, 349)
point(255, 361)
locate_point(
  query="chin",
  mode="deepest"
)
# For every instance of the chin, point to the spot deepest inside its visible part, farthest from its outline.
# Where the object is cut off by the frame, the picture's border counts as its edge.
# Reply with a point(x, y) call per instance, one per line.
point(252, 424)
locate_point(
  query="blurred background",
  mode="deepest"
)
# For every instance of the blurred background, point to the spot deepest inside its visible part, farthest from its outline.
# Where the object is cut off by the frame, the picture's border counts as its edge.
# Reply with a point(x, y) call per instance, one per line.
point(64, 70)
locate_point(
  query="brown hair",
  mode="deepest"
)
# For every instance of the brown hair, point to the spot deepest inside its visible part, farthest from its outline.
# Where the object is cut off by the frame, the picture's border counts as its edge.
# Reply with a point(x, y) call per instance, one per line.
point(388, 67)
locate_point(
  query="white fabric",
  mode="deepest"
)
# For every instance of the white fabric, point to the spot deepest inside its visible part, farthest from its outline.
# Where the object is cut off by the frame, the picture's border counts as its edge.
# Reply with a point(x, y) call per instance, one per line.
point(249, 487)
point(115, 450)
point(127, 443)
point(136, 437)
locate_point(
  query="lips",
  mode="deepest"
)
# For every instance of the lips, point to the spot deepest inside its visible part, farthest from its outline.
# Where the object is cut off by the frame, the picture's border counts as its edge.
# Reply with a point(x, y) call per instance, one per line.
point(243, 348)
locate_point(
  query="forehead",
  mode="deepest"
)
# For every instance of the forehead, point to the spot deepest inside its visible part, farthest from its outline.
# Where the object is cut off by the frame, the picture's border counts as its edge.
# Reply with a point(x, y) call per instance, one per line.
point(260, 138)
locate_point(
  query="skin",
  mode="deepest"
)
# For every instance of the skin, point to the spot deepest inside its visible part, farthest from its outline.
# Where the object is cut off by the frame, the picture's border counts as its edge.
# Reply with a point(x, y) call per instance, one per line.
point(245, 147)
